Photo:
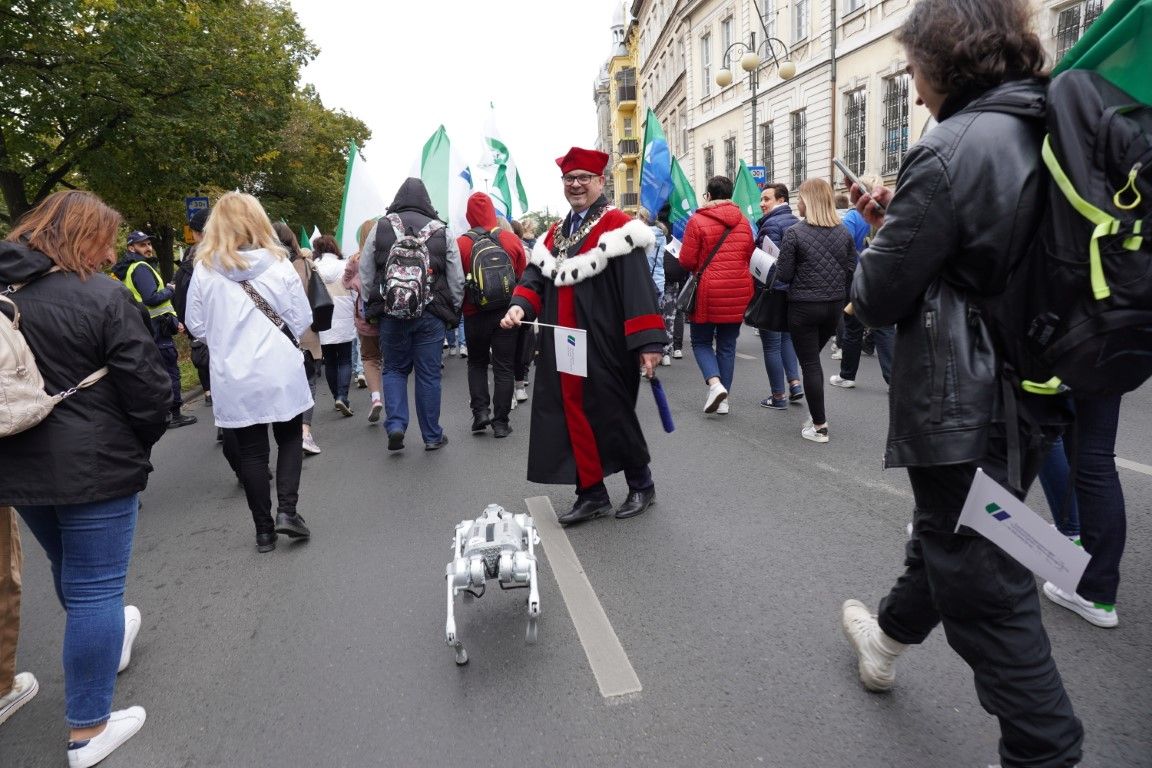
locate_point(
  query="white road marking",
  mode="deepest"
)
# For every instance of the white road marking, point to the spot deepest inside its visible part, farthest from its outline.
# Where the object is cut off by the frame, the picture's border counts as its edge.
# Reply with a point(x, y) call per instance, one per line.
point(743, 356)
point(1134, 466)
point(610, 665)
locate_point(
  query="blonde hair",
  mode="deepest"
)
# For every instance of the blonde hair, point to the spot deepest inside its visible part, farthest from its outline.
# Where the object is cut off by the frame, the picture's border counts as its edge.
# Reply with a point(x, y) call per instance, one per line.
point(237, 221)
point(819, 210)
point(75, 229)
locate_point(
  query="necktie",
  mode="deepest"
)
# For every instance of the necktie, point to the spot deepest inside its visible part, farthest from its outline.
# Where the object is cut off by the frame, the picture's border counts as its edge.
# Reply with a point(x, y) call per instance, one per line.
point(573, 224)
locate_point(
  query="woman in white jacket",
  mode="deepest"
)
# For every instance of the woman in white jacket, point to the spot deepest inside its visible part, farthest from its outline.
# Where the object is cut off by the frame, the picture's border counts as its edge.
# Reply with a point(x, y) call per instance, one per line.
point(244, 300)
point(336, 342)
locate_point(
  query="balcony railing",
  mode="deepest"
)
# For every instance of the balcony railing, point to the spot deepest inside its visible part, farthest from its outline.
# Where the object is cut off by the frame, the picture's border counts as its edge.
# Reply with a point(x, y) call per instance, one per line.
point(629, 199)
point(629, 147)
point(625, 93)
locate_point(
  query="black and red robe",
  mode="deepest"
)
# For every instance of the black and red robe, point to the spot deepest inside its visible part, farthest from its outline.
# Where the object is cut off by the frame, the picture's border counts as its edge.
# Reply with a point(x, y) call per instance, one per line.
point(584, 429)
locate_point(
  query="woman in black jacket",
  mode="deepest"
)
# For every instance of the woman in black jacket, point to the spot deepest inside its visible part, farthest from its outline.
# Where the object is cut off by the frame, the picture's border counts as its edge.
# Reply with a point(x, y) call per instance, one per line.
point(967, 202)
point(75, 476)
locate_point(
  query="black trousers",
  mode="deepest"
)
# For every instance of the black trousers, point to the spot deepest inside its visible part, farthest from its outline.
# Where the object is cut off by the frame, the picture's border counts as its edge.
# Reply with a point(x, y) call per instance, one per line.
point(525, 350)
point(251, 445)
point(489, 344)
point(990, 609)
point(811, 324)
point(170, 357)
point(638, 478)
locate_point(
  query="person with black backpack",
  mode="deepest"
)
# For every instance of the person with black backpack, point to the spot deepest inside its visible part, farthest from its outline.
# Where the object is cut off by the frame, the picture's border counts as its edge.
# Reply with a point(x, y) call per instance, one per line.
point(968, 201)
point(414, 286)
point(493, 261)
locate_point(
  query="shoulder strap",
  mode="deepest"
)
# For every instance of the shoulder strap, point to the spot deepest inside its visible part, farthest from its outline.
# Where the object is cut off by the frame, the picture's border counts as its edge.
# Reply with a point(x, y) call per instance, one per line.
point(712, 255)
point(263, 305)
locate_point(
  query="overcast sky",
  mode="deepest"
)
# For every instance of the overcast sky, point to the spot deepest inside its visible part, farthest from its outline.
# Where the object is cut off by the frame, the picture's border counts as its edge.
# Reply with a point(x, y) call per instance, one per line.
point(406, 67)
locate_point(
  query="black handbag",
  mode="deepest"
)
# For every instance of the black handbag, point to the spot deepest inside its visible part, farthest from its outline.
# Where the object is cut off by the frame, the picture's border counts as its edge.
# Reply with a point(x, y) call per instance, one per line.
point(319, 299)
point(768, 310)
point(686, 301)
point(198, 352)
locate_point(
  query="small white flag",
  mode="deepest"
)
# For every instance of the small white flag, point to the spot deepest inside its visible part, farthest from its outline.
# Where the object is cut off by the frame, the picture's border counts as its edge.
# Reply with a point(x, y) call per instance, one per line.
point(571, 351)
point(673, 247)
point(761, 264)
point(1007, 522)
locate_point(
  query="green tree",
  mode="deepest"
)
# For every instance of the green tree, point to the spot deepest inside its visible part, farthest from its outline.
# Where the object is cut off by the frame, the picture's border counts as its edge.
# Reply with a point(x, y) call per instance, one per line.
point(142, 101)
point(302, 179)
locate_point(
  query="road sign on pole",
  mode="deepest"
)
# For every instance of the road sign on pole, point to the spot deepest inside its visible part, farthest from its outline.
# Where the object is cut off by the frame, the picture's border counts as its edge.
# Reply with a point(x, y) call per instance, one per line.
point(191, 205)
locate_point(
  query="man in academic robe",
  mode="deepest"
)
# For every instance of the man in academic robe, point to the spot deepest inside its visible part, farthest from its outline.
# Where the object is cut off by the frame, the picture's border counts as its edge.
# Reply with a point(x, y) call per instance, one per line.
point(591, 272)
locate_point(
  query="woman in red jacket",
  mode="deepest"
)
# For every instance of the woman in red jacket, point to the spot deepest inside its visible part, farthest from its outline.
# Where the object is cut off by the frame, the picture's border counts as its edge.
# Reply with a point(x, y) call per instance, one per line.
point(718, 245)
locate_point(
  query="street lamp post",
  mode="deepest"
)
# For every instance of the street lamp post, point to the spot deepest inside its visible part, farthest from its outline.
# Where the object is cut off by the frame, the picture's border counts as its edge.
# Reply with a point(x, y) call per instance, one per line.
point(750, 60)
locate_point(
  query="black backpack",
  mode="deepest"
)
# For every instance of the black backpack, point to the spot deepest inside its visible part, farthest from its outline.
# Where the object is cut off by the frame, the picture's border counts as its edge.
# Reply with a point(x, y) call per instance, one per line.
point(492, 278)
point(1077, 314)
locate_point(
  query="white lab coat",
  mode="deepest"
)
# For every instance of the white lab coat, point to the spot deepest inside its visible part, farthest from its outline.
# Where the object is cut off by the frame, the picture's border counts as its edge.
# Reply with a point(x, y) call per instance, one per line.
point(257, 374)
point(331, 269)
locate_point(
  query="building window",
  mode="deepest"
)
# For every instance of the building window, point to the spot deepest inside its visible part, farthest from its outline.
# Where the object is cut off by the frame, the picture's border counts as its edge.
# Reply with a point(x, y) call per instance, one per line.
point(768, 13)
point(799, 148)
point(730, 157)
point(630, 180)
point(683, 130)
point(726, 33)
point(852, 5)
point(1072, 22)
point(855, 130)
point(767, 144)
point(706, 62)
point(895, 122)
point(709, 163)
point(628, 133)
point(799, 20)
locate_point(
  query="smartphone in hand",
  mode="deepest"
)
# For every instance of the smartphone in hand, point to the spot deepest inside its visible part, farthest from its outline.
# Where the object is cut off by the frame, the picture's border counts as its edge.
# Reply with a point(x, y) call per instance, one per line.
point(864, 188)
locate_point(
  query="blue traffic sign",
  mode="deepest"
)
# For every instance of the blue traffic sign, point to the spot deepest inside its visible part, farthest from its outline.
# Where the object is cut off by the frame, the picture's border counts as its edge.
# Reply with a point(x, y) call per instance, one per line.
point(759, 175)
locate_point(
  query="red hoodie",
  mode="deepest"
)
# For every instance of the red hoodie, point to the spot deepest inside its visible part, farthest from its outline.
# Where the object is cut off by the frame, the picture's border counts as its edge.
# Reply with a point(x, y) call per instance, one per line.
point(725, 287)
point(481, 213)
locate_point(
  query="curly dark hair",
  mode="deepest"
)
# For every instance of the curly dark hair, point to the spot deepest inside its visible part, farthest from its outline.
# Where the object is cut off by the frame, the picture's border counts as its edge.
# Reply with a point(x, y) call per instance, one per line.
point(963, 45)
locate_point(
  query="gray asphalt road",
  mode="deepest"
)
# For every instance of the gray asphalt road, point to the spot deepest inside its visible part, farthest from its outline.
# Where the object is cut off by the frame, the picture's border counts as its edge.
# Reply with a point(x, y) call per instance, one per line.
point(725, 596)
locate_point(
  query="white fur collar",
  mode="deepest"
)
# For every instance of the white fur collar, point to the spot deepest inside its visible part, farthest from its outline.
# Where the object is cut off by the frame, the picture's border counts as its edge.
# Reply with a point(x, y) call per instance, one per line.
point(574, 269)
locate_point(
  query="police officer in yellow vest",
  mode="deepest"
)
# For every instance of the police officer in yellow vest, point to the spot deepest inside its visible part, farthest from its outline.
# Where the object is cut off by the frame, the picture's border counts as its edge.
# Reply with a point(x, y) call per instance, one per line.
point(137, 270)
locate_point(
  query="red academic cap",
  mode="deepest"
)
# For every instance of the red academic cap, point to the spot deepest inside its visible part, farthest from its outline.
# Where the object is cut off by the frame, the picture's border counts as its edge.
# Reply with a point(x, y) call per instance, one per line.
point(579, 159)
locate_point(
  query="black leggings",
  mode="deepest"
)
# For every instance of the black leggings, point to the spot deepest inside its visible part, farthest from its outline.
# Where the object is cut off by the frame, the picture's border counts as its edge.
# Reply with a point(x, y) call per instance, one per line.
point(811, 324)
point(251, 445)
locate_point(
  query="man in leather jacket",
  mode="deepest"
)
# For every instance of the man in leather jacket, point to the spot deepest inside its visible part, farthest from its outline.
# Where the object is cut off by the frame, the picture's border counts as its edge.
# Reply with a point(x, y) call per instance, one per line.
point(967, 200)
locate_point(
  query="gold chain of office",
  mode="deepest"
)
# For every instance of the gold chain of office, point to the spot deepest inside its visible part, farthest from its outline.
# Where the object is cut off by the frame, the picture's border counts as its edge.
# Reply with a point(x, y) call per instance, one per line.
point(562, 244)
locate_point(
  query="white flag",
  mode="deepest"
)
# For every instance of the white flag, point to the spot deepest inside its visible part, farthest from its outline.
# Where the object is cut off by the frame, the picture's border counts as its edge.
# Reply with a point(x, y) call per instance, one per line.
point(507, 177)
point(1007, 522)
point(362, 201)
point(571, 350)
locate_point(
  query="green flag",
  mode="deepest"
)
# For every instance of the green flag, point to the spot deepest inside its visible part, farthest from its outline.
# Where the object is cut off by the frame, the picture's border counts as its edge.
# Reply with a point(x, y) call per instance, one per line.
point(746, 194)
point(505, 170)
point(305, 241)
point(682, 201)
point(1116, 45)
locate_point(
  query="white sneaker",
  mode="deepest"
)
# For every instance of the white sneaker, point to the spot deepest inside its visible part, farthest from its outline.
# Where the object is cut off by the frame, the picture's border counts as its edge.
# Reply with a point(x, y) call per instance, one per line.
point(463, 350)
point(837, 354)
point(875, 649)
point(24, 687)
point(1091, 612)
point(309, 445)
point(716, 395)
point(374, 414)
point(666, 360)
point(815, 435)
point(677, 354)
point(836, 381)
point(452, 350)
point(521, 394)
point(122, 725)
point(131, 629)
point(722, 408)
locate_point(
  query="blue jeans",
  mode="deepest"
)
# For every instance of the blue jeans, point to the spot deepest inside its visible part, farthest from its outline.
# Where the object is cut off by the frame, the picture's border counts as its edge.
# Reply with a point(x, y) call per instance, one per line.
point(720, 361)
point(1103, 519)
point(1055, 479)
point(89, 546)
point(455, 336)
point(850, 339)
point(779, 361)
point(409, 345)
point(338, 368)
point(357, 361)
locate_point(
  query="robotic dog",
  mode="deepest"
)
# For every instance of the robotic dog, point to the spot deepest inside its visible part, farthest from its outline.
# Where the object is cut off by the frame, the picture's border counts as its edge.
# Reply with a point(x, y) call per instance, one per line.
point(496, 544)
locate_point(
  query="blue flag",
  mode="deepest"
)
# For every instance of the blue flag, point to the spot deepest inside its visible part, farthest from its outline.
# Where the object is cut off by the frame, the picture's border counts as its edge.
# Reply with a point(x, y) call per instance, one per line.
point(656, 171)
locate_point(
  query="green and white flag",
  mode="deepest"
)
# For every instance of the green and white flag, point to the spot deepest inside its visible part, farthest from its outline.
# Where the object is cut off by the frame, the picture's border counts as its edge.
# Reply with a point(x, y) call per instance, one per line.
point(682, 201)
point(305, 241)
point(447, 178)
point(362, 201)
point(746, 194)
point(506, 173)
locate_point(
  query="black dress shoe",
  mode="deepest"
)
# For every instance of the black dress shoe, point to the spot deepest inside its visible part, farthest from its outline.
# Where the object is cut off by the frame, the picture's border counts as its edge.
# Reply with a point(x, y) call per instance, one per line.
point(395, 441)
point(292, 525)
point(501, 429)
point(443, 441)
point(480, 422)
point(637, 502)
point(181, 420)
point(583, 510)
point(265, 542)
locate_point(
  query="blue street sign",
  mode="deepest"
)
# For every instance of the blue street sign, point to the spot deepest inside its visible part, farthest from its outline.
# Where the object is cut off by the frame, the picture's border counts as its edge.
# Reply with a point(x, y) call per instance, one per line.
point(193, 204)
point(759, 175)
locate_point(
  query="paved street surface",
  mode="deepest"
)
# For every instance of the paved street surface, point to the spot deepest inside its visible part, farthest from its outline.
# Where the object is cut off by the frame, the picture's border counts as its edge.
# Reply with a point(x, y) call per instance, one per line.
point(725, 597)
